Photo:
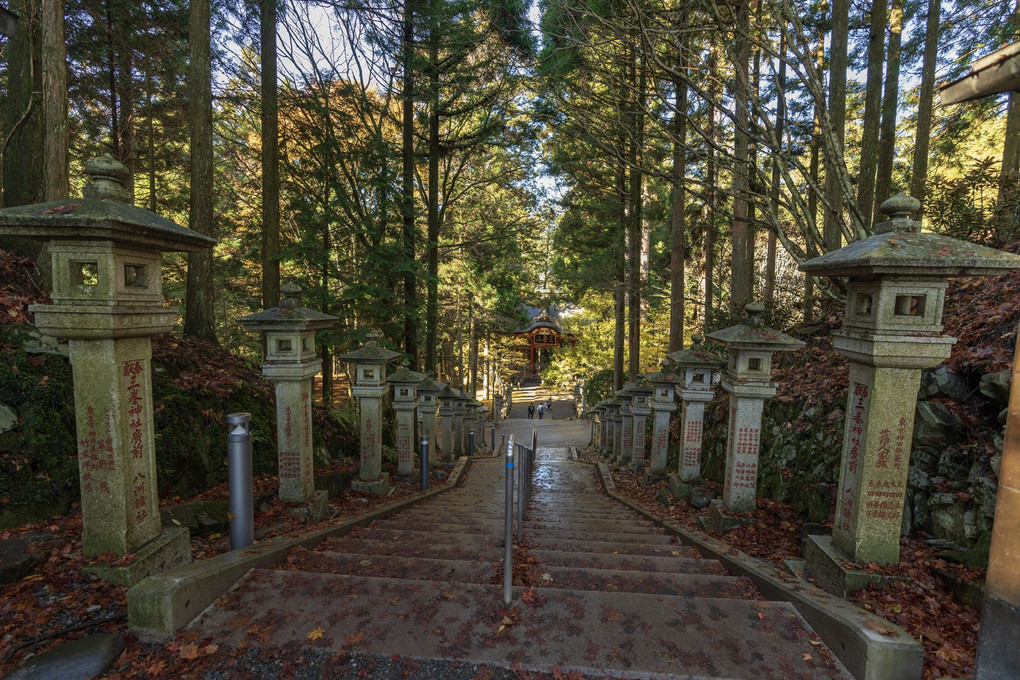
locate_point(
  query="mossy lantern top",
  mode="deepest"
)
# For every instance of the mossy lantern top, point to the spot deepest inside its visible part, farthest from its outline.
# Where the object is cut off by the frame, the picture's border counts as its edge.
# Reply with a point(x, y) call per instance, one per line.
point(750, 345)
point(289, 329)
point(405, 383)
point(699, 366)
point(105, 256)
point(639, 392)
point(428, 388)
point(898, 277)
point(370, 360)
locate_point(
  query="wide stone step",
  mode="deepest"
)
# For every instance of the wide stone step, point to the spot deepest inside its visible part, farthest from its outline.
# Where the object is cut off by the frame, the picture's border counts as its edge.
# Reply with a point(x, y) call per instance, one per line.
point(464, 550)
point(629, 633)
point(653, 583)
point(391, 566)
point(606, 547)
point(496, 526)
point(383, 533)
point(686, 561)
point(619, 538)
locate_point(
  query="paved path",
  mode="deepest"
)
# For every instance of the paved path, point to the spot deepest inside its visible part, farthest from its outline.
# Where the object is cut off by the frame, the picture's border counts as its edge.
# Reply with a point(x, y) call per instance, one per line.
point(610, 594)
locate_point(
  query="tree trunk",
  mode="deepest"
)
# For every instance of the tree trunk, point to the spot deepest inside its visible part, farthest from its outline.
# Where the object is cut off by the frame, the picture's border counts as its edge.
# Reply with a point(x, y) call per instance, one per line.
point(872, 109)
point(634, 225)
point(54, 101)
point(620, 289)
point(473, 350)
point(23, 131)
point(919, 174)
point(832, 233)
point(770, 255)
point(407, 189)
point(1009, 175)
point(678, 236)
point(890, 101)
point(270, 159)
point(741, 284)
point(432, 303)
point(198, 305)
point(711, 176)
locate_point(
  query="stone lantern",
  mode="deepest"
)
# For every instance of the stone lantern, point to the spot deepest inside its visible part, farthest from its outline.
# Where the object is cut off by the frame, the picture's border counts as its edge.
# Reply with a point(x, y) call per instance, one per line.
point(640, 394)
point(447, 407)
point(663, 404)
point(602, 436)
point(748, 378)
point(291, 363)
point(369, 387)
point(625, 427)
point(405, 400)
point(460, 404)
point(891, 330)
point(699, 372)
point(613, 443)
point(428, 389)
point(595, 418)
point(108, 302)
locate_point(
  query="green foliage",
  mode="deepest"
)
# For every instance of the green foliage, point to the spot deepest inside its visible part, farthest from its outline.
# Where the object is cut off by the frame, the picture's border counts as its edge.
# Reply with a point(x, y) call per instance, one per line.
point(194, 386)
point(599, 386)
point(39, 467)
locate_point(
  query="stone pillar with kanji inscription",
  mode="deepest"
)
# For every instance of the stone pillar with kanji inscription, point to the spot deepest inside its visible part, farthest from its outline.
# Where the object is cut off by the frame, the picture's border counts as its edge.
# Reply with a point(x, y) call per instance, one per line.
point(107, 300)
point(625, 426)
point(748, 379)
point(891, 330)
point(447, 409)
point(405, 400)
point(428, 389)
point(615, 429)
point(291, 363)
point(640, 410)
point(699, 372)
point(369, 387)
point(663, 404)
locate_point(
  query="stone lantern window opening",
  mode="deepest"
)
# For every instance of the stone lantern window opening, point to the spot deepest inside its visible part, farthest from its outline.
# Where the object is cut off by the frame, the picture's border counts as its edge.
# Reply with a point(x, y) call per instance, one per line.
point(754, 363)
point(284, 346)
point(84, 273)
point(910, 305)
point(862, 305)
point(135, 276)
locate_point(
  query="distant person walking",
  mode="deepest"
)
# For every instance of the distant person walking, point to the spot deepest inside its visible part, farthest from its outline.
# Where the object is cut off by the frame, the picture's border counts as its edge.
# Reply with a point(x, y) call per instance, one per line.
point(541, 411)
point(531, 411)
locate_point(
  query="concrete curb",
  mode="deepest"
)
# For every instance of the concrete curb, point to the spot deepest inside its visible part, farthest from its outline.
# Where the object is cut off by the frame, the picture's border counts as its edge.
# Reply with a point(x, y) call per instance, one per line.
point(849, 631)
point(161, 605)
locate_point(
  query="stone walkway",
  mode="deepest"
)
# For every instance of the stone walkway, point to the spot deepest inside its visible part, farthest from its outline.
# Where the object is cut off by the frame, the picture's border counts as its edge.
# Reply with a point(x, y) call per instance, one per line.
point(616, 596)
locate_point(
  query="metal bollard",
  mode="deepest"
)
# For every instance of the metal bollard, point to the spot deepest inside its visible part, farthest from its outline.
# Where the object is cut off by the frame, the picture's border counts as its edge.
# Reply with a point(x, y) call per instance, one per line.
point(424, 457)
point(508, 534)
point(471, 442)
point(241, 503)
point(493, 438)
point(503, 440)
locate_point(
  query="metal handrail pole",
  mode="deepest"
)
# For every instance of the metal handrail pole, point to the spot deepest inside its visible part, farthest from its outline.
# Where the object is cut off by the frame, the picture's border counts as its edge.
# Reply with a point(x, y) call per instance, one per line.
point(508, 534)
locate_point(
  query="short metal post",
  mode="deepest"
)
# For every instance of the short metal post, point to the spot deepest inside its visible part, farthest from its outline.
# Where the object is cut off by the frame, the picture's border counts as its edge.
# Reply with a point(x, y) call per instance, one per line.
point(493, 438)
point(502, 442)
point(424, 456)
point(508, 534)
point(471, 442)
point(241, 503)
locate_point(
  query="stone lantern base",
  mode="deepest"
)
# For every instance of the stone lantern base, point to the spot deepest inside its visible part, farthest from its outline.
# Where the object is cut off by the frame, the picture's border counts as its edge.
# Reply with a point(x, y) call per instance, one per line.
point(171, 548)
point(824, 562)
point(379, 486)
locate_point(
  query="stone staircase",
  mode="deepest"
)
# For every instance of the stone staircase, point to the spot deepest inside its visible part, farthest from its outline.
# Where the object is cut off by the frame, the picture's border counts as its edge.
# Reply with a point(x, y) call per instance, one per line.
point(604, 591)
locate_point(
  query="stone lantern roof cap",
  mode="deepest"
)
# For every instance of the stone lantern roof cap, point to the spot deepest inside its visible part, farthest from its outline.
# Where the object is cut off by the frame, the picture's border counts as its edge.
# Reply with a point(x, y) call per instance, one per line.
point(899, 247)
point(752, 334)
point(104, 214)
point(695, 356)
point(664, 376)
point(449, 393)
point(428, 384)
point(637, 387)
point(288, 316)
point(406, 376)
point(371, 352)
